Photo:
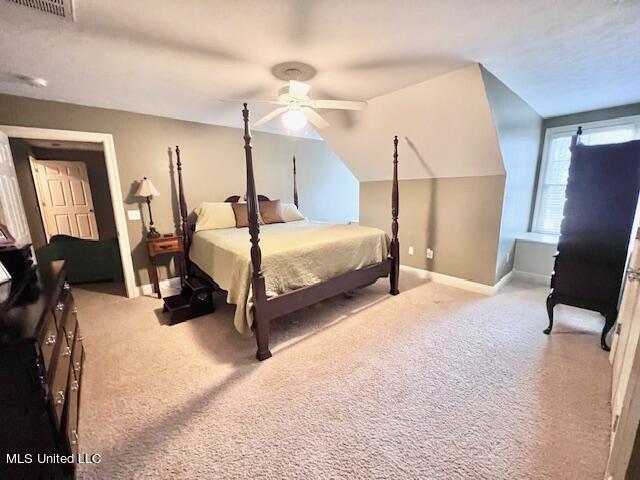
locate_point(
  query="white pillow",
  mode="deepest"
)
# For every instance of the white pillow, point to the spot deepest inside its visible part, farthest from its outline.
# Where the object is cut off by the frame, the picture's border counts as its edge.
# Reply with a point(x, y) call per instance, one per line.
point(290, 212)
point(214, 215)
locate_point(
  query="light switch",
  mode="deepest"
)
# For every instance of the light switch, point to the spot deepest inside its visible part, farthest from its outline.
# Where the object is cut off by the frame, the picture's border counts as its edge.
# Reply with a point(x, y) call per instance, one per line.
point(133, 214)
point(410, 250)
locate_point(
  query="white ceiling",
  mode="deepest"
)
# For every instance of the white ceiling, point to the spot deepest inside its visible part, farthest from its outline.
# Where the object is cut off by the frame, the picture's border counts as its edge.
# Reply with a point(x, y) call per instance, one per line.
point(176, 59)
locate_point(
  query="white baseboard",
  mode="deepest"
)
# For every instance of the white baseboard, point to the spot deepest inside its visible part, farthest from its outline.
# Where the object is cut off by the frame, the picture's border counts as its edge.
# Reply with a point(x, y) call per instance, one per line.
point(172, 283)
point(535, 278)
point(460, 283)
point(504, 281)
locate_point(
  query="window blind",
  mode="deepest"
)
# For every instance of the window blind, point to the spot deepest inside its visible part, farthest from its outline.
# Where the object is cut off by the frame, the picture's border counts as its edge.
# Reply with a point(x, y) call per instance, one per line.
point(555, 168)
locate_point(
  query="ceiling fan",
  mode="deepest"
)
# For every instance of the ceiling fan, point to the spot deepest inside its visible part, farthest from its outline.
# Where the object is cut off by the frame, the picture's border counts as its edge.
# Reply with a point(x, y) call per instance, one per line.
point(296, 106)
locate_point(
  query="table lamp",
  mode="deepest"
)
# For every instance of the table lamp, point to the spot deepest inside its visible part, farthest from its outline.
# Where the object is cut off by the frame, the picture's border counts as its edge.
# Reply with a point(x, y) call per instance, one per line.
point(148, 190)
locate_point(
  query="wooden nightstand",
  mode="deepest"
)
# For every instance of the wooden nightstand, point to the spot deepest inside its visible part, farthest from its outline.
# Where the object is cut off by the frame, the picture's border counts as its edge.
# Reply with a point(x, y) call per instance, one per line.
point(160, 246)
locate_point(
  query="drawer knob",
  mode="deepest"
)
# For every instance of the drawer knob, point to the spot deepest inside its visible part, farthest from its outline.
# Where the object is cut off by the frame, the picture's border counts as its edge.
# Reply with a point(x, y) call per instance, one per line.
point(60, 398)
point(633, 274)
point(66, 286)
point(60, 306)
point(75, 385)
point(67, 352)
point(51, 339)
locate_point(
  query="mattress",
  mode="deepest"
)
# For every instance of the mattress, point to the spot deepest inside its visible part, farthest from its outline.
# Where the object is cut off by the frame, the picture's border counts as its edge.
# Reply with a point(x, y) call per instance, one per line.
point(294, 255)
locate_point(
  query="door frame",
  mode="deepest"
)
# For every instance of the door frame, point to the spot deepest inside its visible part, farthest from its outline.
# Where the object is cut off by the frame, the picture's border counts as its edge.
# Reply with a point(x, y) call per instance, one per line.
point(111, 163)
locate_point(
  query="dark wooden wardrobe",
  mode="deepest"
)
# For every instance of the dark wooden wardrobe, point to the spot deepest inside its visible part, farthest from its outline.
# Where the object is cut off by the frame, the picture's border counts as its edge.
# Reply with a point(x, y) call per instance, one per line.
point(601, 198)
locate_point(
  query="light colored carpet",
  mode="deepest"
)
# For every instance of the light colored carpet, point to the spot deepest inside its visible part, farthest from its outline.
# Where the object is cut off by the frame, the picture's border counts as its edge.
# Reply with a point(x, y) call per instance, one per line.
point(436, 383)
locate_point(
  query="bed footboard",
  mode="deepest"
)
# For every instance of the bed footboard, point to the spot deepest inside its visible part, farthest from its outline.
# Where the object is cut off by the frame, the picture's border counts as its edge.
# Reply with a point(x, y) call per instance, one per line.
point(265, 309)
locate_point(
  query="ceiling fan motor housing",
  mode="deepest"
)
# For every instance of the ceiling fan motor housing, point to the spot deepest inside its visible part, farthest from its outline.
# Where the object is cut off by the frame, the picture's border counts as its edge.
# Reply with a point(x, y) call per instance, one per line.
point(299, 71)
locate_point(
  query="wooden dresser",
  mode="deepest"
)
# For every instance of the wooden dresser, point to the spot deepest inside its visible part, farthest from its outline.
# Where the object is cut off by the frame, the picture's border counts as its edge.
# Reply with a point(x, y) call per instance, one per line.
point(598, 217)
point(41, 358)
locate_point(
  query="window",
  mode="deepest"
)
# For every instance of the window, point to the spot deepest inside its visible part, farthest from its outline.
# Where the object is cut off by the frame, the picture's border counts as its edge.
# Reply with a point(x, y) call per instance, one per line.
point(555, 165)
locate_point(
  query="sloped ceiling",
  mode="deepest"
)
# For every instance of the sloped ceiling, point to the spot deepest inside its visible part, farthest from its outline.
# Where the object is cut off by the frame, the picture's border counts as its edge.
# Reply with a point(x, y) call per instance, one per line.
point(177, 58)
point(444, 125)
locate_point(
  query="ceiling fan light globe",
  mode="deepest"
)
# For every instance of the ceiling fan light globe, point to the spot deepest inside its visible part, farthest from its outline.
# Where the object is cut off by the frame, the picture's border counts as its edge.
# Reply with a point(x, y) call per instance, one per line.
point(294, 120)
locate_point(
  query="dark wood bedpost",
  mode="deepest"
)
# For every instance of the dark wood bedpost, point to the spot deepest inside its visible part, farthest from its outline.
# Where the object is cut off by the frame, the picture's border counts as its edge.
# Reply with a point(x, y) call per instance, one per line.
point(260, 324)
point(295, 185)
point(186, 233)
point(394, 247)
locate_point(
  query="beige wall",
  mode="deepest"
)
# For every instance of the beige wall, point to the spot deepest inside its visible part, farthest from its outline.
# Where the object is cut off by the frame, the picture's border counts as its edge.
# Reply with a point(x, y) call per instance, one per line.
point(447, 120)
point(518, 127)
point(451, 166)
point(213, 162)
point(459, 218)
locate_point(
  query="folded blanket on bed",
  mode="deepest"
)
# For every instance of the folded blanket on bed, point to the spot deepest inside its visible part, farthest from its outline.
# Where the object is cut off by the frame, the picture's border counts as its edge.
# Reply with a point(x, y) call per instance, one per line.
point(294, 255)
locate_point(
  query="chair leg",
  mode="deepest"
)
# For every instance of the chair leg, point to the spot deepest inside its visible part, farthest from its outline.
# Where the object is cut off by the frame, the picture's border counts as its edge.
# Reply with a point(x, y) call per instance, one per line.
point(261, 331)
point(550, 305)
point(610, 319)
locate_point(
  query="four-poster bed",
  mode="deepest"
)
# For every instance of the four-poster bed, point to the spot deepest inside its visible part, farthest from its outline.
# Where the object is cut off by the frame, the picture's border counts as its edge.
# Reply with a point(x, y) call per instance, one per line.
point(294, 255)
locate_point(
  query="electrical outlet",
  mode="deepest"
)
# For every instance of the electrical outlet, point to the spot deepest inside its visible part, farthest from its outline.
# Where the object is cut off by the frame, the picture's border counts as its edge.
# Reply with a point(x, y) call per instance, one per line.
point(507, 257)
point(133, 214)
point(410, 250)
point(429, 254)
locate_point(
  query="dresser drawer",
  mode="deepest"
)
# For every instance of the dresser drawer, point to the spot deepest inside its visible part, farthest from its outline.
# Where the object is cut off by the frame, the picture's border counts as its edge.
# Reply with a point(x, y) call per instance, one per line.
point(59, 379)
point(78, 354)
point(72, 405)
point(165, 245)
point(49, 341)
point(60, 307)
point(70, 322)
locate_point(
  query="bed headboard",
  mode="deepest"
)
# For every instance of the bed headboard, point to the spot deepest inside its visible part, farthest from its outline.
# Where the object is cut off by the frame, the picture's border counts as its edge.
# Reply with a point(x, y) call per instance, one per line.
point(236, 198)
point(188, 227)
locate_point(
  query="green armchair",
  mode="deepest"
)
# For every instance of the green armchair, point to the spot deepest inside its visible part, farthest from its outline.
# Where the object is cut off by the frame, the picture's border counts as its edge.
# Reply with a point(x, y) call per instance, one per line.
point(86, 260)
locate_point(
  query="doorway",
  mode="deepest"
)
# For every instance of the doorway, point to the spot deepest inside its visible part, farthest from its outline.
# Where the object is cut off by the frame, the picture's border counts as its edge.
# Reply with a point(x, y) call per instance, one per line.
point(64, 197)
point(74, 187)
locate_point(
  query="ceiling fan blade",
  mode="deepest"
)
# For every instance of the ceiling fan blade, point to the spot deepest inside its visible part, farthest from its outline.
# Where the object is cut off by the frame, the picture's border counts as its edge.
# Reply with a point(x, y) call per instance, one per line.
point(315, 119)
point(270, 116)
point(273, 102)
point(298, 89)
point(338, 104)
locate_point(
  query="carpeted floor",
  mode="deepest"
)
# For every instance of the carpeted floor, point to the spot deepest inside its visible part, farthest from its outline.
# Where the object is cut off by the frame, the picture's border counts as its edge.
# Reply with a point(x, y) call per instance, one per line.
point(436, 383)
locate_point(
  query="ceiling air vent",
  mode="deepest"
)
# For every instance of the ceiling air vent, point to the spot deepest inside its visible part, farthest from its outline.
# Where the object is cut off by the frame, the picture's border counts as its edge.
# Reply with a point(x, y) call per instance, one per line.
point(59, 8)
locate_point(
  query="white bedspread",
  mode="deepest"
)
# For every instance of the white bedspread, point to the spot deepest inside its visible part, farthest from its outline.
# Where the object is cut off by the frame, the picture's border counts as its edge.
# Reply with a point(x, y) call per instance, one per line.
point(294, 255)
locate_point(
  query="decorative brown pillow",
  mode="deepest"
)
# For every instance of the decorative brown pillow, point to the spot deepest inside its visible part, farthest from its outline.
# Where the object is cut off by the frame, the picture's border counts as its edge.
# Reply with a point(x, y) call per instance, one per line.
point(242, 215)
point(271, 211)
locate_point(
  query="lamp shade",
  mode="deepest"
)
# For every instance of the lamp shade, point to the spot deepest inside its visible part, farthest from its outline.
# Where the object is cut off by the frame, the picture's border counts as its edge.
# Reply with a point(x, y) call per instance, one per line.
point(147, 189)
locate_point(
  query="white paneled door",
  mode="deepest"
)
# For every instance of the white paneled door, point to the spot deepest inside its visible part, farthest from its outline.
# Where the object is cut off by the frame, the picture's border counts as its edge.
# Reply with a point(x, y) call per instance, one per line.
point(11, 209)
point(65, 198)
point(627, 333)
point(625, 356)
